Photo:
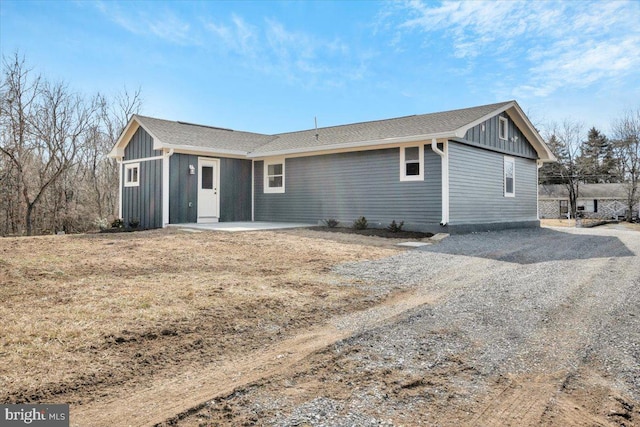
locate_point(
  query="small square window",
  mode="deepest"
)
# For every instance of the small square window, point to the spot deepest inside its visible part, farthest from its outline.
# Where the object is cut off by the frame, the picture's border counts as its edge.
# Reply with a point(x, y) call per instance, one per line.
point(132, 175)
point(503, 128)
point(411, 161)
point(274, 176)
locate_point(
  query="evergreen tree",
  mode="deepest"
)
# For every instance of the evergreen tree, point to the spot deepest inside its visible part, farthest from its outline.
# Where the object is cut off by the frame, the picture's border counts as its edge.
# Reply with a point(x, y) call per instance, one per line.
point(591, 159)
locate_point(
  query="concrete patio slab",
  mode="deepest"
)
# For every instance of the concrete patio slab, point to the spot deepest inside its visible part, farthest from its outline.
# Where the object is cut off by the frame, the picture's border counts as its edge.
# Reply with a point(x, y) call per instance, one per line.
point(241, 226)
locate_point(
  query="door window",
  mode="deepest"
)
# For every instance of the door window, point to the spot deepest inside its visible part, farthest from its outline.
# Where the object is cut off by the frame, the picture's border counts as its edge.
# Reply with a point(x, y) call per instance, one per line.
point(207, 177)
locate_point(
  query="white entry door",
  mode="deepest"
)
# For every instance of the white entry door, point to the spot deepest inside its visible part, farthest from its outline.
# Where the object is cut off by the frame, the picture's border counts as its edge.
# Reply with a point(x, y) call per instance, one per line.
point(208, 194)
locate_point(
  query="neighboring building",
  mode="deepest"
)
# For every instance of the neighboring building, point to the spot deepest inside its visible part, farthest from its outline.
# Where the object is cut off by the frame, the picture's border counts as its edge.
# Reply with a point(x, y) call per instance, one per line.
point(454, 171)
point(605, 201)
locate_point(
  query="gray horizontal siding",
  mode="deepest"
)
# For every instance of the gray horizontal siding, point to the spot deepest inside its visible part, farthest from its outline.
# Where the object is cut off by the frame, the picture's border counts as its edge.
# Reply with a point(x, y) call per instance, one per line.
point(348, 185)
point(476, 192)
point(516, 143)
point(234, 189)
point(144, 203)
point(140, 146)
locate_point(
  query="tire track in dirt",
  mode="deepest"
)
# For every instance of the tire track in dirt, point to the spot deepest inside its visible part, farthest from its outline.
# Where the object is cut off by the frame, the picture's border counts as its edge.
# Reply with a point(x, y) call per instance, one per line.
point(547, 399)
point(162, 399)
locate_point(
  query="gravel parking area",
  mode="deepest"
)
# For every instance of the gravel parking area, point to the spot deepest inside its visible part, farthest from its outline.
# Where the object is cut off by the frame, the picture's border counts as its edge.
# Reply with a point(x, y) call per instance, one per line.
point(526, 327)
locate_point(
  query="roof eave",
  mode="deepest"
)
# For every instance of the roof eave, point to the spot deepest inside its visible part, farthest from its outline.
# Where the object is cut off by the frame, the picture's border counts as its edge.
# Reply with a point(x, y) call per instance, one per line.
point(117, 152)
point(202, 150)
point(352, 146)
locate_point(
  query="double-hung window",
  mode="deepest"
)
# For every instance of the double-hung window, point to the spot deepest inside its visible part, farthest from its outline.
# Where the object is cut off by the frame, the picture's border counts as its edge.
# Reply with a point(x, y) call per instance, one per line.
point(411, 163)
point(132, 175)
point(509, 177)
point(274, 176)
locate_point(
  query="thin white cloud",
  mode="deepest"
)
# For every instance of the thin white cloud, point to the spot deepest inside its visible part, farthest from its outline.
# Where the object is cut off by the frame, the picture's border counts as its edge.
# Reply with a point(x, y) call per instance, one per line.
point(155, 22)
point(294, 55)
point(554, 44)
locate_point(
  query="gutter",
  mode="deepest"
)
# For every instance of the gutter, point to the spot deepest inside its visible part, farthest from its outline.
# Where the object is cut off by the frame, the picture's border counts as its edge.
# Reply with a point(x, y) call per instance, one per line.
point(348, 146)
point(444, 154)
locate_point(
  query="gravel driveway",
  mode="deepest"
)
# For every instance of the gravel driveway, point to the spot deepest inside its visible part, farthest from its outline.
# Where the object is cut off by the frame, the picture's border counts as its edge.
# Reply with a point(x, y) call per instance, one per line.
point(527, 327)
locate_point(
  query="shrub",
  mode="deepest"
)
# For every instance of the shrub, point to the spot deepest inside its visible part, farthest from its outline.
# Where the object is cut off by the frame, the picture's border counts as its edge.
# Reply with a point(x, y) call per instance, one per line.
point(331, 222)
point(117, 223)
point(394, 227)
point(134, 222)
point(101, 223)
point(360, 223)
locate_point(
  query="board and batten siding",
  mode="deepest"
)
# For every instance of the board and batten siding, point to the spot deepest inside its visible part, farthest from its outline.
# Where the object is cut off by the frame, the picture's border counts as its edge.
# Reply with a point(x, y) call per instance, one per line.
point(140, 146)
point(144, 202)
point(485, 135)
point(234, 189)
point(476, 187)
point(346, 186)
point(183, 189)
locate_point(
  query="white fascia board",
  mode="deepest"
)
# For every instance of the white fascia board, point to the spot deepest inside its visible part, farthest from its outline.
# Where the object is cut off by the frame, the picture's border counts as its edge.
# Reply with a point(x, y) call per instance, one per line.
point(206, 151)
point(522, 121)
point(134, 123)
point(461, 132)
point(352, 146)
point(523, 124)
point(118, 149)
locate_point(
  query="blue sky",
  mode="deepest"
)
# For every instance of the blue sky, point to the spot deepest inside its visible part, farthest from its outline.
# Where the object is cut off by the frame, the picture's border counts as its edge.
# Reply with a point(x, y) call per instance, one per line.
point(272, 67)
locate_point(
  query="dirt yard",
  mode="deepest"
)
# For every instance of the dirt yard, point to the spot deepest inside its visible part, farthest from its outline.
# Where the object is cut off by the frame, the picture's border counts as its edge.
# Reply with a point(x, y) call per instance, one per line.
point(301, 328)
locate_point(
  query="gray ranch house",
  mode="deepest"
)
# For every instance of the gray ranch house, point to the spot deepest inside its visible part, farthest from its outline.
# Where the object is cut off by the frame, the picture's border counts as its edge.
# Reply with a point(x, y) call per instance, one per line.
point(453, 171)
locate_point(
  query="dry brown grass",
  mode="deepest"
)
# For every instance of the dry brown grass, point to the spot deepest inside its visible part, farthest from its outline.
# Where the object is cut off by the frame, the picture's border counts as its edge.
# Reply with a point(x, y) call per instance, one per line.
point(80, 312)
point(558, 222)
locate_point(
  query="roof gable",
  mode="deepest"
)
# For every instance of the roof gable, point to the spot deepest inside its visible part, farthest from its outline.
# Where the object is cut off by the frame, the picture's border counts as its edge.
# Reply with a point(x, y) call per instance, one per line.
point(423, 127)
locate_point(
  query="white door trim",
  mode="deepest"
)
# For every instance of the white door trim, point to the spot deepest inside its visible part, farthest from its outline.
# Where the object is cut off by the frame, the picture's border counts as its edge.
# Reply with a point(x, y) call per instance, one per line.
point(216, 163)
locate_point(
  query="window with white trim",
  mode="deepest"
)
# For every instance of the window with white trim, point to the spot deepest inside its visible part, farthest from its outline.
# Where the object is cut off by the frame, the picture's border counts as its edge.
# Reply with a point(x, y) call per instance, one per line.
point(412, 163)
point(509, 177)
point(132, 175)
point(274, 176)
point(503, 128)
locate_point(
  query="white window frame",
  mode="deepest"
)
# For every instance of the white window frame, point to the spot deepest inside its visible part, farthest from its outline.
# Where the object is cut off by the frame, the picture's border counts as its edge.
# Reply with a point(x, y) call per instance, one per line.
point(503, 128)
point(504, 176)
point(266, 188)
point(128, 167)
point(403, 162)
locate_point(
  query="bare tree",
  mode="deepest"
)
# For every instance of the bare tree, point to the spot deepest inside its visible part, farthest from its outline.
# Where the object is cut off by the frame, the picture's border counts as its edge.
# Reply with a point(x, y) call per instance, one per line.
point(565, 140)
point(114, 116)
point(18, 97)
point(627, 142)
point(47, 126)
point(54, 169)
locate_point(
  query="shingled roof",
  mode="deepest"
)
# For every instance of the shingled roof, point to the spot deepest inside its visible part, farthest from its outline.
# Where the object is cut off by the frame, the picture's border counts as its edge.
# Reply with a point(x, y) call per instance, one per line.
point(585, 191)
point(378, 130)
point(183, 134)
point(447, 124)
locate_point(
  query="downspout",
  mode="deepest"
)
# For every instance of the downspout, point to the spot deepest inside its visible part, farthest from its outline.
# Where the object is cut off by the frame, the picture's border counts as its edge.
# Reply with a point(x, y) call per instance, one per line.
point(444, 154)
point(539, 164)
point(165, 187)
point(119, 160)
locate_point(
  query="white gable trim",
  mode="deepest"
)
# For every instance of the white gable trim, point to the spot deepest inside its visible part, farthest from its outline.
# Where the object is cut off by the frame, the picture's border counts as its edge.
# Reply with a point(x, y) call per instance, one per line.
point(127, 133)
